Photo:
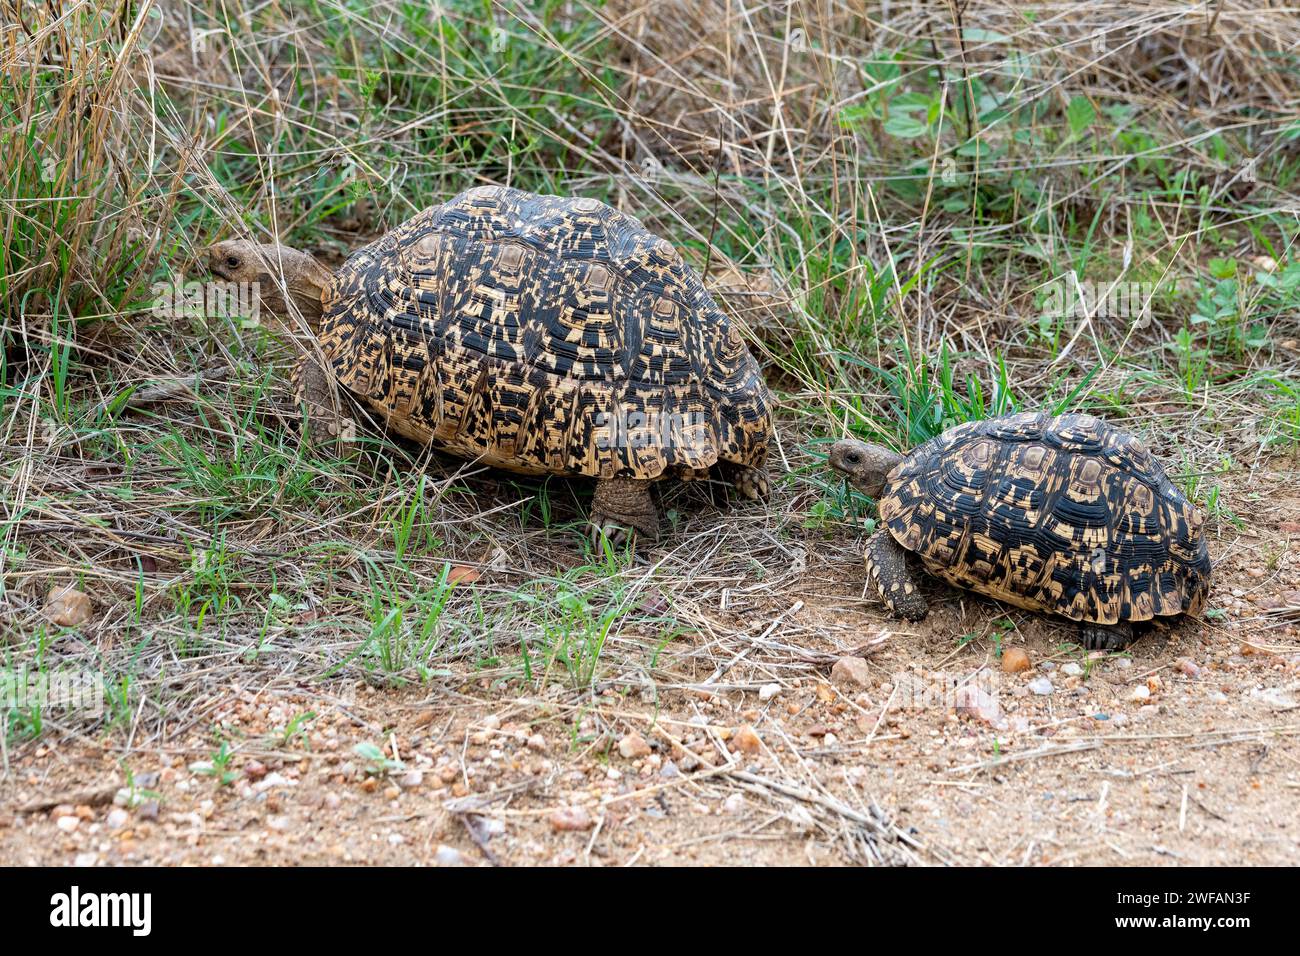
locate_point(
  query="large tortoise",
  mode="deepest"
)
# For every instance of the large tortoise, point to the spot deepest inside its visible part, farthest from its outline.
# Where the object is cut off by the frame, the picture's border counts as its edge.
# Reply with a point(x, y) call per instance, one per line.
point(538, 334)
point(1067, 515)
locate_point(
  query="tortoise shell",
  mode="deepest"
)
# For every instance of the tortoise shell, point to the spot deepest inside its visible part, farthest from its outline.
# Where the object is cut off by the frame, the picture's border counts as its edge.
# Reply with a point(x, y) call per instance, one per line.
point(1061, 514)
point(545, 335)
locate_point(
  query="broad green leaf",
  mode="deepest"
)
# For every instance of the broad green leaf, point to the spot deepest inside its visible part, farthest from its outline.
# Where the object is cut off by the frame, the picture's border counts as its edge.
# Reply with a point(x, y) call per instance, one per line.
point(1080, 114)
point(1223, 268)
point(905, 127)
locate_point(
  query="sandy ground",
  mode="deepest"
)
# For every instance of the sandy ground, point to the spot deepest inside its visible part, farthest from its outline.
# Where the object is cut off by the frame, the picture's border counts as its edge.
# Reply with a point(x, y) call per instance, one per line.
point(1182, 751)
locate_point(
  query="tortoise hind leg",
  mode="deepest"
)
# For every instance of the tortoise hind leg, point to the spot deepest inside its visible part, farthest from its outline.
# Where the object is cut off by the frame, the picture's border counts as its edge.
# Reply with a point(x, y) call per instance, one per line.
point(620, 507)
point(1106, 637)
point(890, 577)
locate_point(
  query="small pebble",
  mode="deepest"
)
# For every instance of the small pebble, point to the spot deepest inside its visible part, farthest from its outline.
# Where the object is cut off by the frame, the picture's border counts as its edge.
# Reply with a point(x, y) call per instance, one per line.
point(746, 740)
point(448, 856)
point(768, 691)
point(1040, 686)
point(570, 818)
point(852, 673)
point(1072, 669)
point(1015, 660)
point(974, 701)
point(67, 607)
point(633, 746)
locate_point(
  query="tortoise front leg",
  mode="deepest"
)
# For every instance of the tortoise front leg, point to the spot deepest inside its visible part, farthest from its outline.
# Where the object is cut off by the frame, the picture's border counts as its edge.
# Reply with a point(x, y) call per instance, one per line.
point(622, 506)
point(889, 575)
point(317, 393)
point(752, 483)
point(1106, 637)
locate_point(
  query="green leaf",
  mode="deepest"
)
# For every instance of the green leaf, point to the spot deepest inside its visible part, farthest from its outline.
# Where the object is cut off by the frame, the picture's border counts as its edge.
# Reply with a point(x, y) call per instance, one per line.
point(975, 149)
point(858, 113)
point(905, 127)
point(1080, 114)
point(368, 751)
point(1223, 268)
point(978, 35)
point(911, 102)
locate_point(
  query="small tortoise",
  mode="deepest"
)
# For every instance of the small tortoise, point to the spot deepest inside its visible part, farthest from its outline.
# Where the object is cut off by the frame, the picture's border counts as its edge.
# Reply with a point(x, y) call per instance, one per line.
point(538, 334)
point(1063, 514)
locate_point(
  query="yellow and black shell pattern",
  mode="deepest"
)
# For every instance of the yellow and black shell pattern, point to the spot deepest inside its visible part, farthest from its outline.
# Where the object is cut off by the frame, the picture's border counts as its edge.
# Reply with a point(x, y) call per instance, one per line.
point(545, 335)
point(1065, 514)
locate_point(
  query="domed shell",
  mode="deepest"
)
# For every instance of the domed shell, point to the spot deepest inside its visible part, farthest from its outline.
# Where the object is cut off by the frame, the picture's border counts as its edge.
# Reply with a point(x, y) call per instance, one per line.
point(545, 335)
point(1061, 514)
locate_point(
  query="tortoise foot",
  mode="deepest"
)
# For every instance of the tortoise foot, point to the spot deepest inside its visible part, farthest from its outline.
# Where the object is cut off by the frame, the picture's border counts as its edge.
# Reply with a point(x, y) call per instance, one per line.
point(603, 529)
point(326, 425)
point(1106, 637)
point(752, 483)
point(890, 576)
point(623, 508)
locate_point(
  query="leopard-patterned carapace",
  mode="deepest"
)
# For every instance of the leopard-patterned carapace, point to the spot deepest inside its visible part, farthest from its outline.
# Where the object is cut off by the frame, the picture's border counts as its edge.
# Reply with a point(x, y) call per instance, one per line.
point(545, 335)
point(1062, 514)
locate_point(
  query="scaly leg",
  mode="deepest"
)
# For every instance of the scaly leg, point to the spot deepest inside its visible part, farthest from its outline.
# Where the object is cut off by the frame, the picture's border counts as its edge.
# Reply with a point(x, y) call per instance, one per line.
point(753, 483)
point(314, 389)
point(622, 506)
point(1106, 637)
point(889, 575)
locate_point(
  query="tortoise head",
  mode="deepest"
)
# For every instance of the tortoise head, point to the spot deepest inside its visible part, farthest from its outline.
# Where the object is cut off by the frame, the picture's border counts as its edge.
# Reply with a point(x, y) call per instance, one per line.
point(262, 264)
point(865, 466)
